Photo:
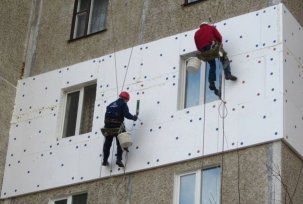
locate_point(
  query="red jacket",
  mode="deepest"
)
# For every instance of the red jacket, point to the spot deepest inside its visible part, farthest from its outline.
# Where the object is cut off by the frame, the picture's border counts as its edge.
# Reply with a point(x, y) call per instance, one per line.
point(205, 35)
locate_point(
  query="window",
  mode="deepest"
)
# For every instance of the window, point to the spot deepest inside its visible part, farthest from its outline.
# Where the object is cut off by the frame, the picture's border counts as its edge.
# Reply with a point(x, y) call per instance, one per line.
point(74, 199)
point(186, 2)
point(88, 18)
point(191, 1)
point(79, 111)
point(193, 89)
point(198, 187)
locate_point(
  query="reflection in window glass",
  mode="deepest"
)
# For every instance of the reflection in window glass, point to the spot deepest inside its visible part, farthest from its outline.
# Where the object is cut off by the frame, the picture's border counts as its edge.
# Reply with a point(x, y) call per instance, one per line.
point(88, 109)
point(209, 94)
point(61, 201)
point(187, 189)
point(83, 5)
point(191, 1)
point(192, 87)
point(98, 16)
point(211, 183)
point(79, 199)
point(80, 25)
point(71, 112)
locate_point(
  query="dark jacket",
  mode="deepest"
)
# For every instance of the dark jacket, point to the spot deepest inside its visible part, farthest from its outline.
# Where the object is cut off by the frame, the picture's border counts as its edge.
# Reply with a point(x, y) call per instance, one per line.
point(116, 112)
point(206, 35)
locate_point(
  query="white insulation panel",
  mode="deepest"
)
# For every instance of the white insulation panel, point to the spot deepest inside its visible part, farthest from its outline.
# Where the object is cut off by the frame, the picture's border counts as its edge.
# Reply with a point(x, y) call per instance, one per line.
point(293, 81)
point(39, 158)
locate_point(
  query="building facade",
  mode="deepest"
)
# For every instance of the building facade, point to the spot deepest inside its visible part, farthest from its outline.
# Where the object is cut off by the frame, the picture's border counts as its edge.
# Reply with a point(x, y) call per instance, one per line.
point(58, 47)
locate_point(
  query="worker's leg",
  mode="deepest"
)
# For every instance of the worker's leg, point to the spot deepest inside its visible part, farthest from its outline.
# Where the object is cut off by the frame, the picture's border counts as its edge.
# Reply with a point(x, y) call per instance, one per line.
point(106, 148)
point(119, 150)
point(226, 67)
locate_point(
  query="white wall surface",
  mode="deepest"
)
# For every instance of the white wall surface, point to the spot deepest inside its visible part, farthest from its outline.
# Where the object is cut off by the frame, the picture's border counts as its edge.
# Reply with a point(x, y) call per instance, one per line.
point(293, 81)
point(38, 158)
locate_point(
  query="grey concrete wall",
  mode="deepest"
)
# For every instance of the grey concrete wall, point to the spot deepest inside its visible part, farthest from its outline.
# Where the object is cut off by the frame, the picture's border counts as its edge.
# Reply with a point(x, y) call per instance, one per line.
point(129, 23)
point(291, 177)
point(13, 25)
point(246, 177)
point(296, 8)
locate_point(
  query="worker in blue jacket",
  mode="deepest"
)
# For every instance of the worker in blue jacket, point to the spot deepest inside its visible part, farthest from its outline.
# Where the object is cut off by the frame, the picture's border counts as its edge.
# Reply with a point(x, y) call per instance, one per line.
point(114, 118)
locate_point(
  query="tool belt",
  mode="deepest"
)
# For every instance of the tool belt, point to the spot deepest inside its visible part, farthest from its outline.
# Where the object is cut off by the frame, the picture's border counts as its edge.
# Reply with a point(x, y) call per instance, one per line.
point(212, 53)
point(110, 131)
point(113, 131)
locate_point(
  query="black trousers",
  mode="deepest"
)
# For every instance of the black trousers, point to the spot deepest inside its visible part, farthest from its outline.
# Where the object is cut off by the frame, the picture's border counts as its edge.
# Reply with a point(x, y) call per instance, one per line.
point(107, 145)
point(109, 140)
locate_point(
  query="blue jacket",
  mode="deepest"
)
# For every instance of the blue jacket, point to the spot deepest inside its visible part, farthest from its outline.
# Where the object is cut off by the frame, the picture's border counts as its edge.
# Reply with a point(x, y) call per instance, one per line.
point(116, 112)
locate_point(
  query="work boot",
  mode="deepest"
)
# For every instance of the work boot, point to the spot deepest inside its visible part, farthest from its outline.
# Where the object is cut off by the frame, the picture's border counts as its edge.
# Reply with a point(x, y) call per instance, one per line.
point(231, 77)
point(212, 85)
point(119, 163)
point(126, 149)
point(217, 92)
point(105, 163)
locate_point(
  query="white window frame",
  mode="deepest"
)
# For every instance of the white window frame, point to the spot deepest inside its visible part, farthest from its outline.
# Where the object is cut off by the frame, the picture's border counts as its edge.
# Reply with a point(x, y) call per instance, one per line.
point(79, 88)
point(198, 184)
point(182, 82)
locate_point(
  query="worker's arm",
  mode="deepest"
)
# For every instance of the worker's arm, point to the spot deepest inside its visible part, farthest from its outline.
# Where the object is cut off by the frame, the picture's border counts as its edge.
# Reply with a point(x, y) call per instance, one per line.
point(127, 114)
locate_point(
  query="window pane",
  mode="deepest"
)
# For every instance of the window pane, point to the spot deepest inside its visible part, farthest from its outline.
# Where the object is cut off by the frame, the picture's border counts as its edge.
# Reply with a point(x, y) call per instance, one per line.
point(209, 94)
point(211, 183)
point(88, 109)
point(83, 5)
point(192, 89)
point(80, 25)
point(61, 201)
point(71, 111)
point(98, 15)
point(187, 189)
point(79, 199)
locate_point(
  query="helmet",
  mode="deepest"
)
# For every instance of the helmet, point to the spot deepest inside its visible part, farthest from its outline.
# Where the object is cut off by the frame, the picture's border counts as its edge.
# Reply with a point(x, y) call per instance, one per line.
point(124, 95)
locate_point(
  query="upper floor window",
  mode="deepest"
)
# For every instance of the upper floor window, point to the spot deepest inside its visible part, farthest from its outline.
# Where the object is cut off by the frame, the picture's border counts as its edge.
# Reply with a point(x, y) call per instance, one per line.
point(79, 111)
point(198, 187)
point(74, 199)
point(88, 18)
point(191, 1)
point(194, 88)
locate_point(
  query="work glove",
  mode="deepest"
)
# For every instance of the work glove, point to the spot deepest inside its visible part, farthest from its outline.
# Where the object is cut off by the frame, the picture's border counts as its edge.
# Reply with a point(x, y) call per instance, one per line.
point(135, 118)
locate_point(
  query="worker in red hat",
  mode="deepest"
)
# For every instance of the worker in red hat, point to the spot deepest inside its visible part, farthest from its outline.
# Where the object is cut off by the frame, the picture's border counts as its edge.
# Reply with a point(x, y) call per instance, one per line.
point(114, 118)
point(206, 37)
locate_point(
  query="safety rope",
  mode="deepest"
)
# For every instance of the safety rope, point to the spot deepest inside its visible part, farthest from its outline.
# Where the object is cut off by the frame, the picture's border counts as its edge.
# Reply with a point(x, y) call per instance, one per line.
point(131, 52)
point(223, 136)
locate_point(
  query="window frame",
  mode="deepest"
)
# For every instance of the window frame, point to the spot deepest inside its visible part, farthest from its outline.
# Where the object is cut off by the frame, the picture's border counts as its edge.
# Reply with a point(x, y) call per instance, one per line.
point(198, 183)
point(69, 198)
point(182, 82)
point(87, 23)
point(65, 93)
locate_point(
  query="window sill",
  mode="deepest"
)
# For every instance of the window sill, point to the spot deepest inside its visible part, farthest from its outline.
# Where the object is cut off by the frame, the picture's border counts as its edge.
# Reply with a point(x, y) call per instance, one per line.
point(86, 36)
point(192, 3)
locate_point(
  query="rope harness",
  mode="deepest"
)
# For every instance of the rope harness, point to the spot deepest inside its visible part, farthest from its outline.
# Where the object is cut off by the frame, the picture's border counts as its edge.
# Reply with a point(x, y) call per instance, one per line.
point(216, 51)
